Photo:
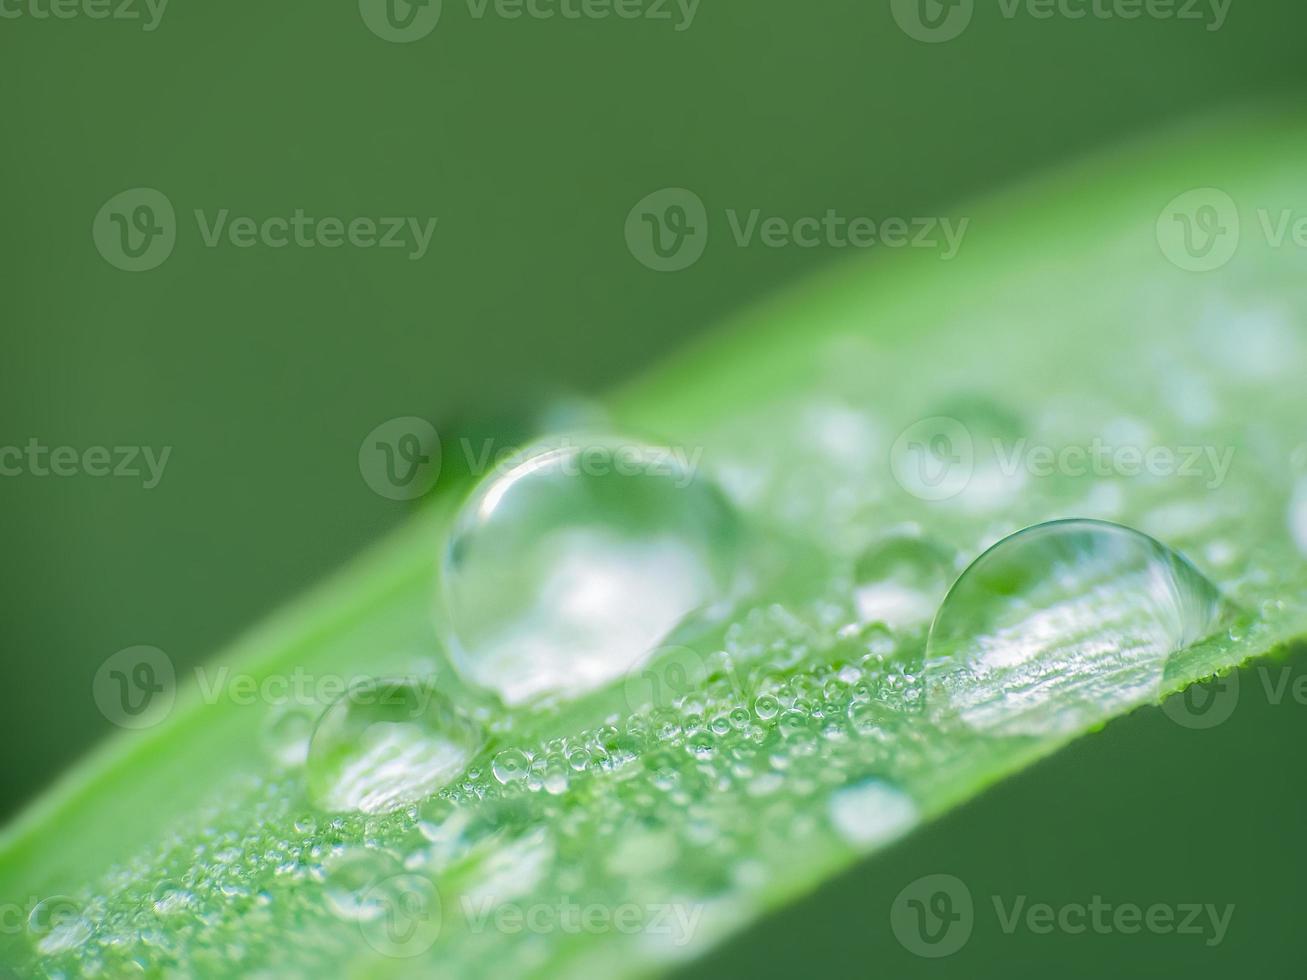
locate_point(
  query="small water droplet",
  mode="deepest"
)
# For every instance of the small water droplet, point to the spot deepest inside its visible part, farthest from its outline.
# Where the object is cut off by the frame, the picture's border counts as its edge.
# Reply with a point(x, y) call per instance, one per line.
point(1060, 625)
point(1298, 514)
point(58, 924)
point(286, 733)
point(388, 743)
point(510, 766)
point(900, 580)
point(169, 898)
point(701, 745)
point(639, 850)
point(348, 888)
point(871, 813)
point(564, 571)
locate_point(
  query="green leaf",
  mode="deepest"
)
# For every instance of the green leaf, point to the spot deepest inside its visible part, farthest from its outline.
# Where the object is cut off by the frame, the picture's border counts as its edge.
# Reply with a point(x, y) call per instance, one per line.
point(1075, 315)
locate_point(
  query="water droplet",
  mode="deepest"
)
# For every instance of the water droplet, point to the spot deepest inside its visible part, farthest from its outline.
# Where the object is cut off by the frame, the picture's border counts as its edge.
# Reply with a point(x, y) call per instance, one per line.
point(766, 706)
point(1298, 514)
point(58, 924)
point(565, 571)
point(901, 579)
point(510, 766)
point(960, 453)
point(1063, 624)
point(169, 898)
point(640, 850)
point(286, 733)
point(701, 745)
point(871, 813)
point(388, 743)
point(348, 889)
point(869, 719)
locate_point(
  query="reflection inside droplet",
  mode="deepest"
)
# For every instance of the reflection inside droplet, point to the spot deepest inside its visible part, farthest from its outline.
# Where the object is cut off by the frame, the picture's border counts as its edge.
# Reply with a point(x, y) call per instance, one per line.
point(1063, 624)
point(567, 568)
point(386, 743)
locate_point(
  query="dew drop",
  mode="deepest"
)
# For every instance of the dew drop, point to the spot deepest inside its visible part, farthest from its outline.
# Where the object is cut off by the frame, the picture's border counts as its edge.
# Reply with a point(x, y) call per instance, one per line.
point(349, 887)
point(564, 570)
point(510, 766)
point(901, 579)
point(1061, 625)
point(959, 454)
point(58, 924)
point(388, 743)
point(169, 899)
point(766, 706)
point(871, 813)
point(1298, 515)
point(286, 733)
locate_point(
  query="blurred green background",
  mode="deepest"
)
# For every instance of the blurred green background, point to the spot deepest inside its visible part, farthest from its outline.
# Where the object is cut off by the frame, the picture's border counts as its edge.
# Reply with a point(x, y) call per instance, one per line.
point(530, 140)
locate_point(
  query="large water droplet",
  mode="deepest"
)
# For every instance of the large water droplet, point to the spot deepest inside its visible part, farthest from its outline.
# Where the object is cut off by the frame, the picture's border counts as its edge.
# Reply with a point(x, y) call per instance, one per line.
point(1063, 624)
point(386, 743)
point(568, 568)
point(900, 580)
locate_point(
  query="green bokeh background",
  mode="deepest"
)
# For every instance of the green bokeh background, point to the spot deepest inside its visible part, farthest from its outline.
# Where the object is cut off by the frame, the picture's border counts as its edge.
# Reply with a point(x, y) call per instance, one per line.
point(530, 140)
